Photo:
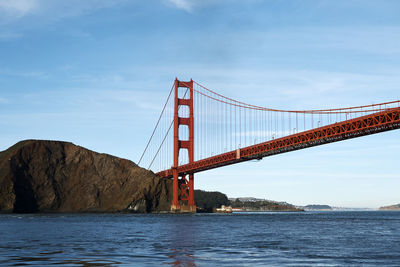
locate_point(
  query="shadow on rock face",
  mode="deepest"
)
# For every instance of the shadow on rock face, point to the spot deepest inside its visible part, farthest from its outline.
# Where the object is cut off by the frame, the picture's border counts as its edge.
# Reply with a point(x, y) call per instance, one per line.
point(25, 201)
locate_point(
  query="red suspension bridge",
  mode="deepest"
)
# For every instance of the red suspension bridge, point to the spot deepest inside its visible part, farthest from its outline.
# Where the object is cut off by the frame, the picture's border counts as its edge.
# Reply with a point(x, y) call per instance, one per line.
point(199, 129)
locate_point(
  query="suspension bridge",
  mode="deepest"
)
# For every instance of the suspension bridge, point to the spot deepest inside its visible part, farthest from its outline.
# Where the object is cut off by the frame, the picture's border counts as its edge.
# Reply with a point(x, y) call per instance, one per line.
point(199, 129)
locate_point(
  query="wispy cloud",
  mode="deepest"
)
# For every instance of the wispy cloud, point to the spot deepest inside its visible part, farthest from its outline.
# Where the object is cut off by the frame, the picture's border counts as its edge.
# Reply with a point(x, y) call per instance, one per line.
point(3, 100)
point(186, 5)
point(17, 8)
point(190, 5)
point(293, 88)
point(56, 10)
point(38, 75)
point(6, 36)
point(49, 10)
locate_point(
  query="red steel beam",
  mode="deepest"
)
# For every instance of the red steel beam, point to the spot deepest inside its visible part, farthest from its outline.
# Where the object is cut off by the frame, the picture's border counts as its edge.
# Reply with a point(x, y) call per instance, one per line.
point(361, 126)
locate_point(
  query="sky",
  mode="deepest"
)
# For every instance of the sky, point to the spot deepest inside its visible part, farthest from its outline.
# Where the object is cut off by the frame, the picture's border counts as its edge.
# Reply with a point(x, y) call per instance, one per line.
point(97, 72)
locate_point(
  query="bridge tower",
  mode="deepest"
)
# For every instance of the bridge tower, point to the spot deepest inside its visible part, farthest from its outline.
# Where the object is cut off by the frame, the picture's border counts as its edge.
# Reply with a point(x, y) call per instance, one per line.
point(183, 188)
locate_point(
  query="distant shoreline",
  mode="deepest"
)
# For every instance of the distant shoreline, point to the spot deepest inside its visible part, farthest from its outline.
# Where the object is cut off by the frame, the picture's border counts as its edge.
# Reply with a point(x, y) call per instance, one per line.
point(391, 208)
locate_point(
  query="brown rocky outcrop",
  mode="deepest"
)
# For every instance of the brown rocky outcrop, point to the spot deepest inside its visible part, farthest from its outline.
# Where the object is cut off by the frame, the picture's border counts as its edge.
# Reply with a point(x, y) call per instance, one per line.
point(53, 176)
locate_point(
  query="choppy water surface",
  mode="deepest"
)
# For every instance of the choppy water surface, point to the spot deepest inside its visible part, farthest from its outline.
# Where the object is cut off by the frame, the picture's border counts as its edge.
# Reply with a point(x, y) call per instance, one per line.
point(257, 239)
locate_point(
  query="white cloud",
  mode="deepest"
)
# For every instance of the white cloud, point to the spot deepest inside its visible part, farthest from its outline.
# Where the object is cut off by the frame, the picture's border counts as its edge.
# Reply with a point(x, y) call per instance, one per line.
point(186, 5)
point(4, 36)
point(190, 5)
point(17, 8)
point(50, 10)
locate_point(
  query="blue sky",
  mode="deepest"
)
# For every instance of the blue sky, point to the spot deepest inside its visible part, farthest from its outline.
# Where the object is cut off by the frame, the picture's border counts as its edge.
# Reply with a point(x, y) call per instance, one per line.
point(97, 73)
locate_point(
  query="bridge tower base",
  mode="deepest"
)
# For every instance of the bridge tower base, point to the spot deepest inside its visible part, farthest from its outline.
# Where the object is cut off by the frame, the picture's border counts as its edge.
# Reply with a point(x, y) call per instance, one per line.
point(183, 185)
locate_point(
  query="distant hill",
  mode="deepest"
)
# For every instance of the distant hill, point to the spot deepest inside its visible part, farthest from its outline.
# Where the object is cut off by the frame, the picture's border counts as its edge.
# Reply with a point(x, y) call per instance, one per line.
point(262, 205)
point(318, 207)
point(54, 176)
point(207, 201)
point(247, 199)
point(392, 207)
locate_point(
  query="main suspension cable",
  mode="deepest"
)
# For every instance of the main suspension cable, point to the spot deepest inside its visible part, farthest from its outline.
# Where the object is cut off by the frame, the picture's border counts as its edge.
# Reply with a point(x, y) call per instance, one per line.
point(233, 102)
point(165, 137)
point(155, 128)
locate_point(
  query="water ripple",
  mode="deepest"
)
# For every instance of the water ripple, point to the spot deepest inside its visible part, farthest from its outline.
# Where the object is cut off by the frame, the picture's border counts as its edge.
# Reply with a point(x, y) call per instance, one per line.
point(257, 239)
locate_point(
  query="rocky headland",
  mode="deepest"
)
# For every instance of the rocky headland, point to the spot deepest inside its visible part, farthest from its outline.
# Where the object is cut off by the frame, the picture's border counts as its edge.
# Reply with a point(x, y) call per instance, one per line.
point(53, 176)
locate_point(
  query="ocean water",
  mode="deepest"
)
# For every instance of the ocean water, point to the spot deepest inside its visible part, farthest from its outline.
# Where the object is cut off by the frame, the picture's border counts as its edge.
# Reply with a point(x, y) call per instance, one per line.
point(240, 239)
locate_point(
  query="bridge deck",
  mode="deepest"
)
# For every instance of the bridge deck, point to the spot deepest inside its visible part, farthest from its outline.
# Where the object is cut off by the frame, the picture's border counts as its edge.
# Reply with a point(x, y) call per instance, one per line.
point(365, 125)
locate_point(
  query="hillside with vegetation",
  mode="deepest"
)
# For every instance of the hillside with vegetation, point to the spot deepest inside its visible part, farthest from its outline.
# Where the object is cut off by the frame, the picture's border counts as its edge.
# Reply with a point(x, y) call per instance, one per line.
point(207, 201)
point(263, 205)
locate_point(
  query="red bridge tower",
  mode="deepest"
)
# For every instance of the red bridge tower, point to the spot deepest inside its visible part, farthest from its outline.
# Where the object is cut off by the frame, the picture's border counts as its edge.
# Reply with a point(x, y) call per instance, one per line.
point(183, 190)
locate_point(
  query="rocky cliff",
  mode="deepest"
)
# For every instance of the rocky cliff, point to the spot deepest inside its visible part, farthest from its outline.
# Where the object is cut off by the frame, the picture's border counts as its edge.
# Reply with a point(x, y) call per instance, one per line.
point(52, 176)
